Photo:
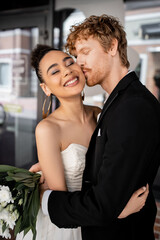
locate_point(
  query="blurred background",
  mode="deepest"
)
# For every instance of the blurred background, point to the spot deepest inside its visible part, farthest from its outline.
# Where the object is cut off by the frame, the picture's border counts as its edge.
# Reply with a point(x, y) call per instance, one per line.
point(25, 23)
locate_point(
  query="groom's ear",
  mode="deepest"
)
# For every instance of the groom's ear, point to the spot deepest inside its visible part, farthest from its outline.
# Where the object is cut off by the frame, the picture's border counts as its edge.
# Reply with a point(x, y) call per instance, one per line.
point(45, 89)
point(114, 47)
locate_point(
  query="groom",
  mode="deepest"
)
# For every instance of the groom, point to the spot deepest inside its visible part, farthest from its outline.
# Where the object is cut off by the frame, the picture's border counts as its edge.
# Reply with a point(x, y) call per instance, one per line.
point(124, 151)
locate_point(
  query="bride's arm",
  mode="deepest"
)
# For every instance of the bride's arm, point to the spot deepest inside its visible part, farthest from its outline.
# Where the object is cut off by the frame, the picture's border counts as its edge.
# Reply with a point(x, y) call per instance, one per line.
point(136, 202)
point(49, 155)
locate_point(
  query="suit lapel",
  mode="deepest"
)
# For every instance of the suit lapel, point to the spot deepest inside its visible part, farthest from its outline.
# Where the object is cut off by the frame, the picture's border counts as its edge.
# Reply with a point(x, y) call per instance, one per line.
point(106, 106)
point(123, 84)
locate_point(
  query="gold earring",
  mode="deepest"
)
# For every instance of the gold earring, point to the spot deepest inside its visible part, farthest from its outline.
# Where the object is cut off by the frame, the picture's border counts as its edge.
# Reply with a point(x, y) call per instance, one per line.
point(83, 95)
point(44, 115)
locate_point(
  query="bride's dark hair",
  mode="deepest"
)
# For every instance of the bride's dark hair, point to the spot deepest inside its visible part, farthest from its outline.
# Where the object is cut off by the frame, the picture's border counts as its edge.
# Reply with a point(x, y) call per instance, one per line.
point(37, 54)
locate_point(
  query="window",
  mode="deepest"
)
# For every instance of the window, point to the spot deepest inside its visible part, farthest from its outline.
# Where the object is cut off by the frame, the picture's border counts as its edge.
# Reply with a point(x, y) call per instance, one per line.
point(5, 74)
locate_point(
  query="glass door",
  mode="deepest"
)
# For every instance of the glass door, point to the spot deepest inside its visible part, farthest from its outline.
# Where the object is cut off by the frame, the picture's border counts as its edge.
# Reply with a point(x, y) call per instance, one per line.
point(18, 97)
point(21, 98)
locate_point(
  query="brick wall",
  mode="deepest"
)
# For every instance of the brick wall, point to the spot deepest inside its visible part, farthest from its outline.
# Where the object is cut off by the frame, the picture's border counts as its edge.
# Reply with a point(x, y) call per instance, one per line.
point(157, 222)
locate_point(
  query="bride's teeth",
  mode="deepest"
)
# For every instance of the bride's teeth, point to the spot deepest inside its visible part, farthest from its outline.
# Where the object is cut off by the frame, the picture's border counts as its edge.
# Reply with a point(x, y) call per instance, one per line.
point(70, 82)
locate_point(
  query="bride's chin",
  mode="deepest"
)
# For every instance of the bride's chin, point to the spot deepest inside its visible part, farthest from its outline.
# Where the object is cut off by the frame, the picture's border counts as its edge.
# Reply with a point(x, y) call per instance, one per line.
point(76, 97)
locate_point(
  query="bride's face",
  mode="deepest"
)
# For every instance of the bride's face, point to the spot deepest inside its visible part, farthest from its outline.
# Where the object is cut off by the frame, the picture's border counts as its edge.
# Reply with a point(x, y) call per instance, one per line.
point(62, 75)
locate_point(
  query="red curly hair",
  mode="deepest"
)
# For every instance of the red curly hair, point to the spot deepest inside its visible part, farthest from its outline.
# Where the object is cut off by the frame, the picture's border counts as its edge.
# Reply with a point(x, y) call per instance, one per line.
point(104, 28)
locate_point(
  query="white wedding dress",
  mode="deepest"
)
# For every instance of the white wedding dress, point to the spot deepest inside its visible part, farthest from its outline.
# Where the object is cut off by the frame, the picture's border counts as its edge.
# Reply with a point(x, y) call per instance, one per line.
point(74, 162)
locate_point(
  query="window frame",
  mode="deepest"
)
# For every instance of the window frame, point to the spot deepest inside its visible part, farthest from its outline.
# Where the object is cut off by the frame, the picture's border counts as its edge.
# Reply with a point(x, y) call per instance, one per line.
point(7, 88)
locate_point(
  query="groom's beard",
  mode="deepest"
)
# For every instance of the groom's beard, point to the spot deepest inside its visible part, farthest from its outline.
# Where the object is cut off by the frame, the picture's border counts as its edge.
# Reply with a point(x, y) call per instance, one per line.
point(87, 73)
point(90, 80)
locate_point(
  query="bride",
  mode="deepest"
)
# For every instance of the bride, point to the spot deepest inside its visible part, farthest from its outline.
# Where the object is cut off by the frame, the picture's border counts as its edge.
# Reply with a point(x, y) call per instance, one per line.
point(63, 137)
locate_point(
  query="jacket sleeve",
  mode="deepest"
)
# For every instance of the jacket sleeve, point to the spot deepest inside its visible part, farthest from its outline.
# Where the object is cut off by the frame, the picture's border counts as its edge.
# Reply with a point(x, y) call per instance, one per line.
point(132, 141)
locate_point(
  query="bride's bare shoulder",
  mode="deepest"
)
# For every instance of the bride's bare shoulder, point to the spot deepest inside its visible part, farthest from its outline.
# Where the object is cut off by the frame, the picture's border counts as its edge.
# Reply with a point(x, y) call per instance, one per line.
point(48, 126)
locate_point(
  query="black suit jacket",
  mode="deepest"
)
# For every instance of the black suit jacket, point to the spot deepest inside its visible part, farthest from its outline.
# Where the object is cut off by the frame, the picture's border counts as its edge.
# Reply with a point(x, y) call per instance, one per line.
point(123, 155)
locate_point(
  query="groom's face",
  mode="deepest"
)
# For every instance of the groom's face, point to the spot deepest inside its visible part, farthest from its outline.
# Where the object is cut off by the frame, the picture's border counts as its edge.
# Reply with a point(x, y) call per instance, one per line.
point(93, 60)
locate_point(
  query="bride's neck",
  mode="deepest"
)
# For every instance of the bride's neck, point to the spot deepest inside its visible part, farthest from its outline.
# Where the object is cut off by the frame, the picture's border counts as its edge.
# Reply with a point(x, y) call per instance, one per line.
point(73, 109)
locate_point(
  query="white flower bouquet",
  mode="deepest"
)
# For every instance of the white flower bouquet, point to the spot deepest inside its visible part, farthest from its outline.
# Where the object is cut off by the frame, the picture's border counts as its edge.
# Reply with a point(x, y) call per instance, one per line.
point(19, 200)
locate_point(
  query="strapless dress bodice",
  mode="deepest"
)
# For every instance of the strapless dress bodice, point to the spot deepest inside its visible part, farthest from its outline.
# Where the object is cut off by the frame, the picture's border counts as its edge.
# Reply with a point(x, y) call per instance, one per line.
point(74, 163)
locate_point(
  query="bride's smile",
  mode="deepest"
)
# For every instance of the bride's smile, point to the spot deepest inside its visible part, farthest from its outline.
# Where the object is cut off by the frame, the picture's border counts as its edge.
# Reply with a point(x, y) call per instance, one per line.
point(71, 82)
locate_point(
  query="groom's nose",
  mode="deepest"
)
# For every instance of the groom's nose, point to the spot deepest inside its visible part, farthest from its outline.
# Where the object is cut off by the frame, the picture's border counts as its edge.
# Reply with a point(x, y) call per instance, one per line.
point(80, 61)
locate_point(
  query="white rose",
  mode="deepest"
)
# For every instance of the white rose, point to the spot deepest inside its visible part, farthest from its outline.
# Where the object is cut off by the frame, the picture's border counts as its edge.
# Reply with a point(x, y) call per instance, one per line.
point(4, 215)
point(3, 204)
point(5, 234)
point(8, 217)
point(5, 195)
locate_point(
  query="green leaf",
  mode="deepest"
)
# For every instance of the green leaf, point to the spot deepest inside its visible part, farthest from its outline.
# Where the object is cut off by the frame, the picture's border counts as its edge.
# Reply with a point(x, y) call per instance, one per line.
point(31, 210)
point(25, 223)
point(26, 230)
point(17, 228)
point(34, 233)
point(29, 185)
point(35, 203)
point(20, 186)
point(19, 176)
point(8, 178)
point(26, 212)
point(26, 191)
point(4, 227)
point(5, 168)
point(8, 168)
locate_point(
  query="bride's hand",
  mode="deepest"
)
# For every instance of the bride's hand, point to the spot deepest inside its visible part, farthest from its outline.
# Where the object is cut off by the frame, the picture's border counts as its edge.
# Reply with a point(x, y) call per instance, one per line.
point(136, 202)
point(37, 168)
